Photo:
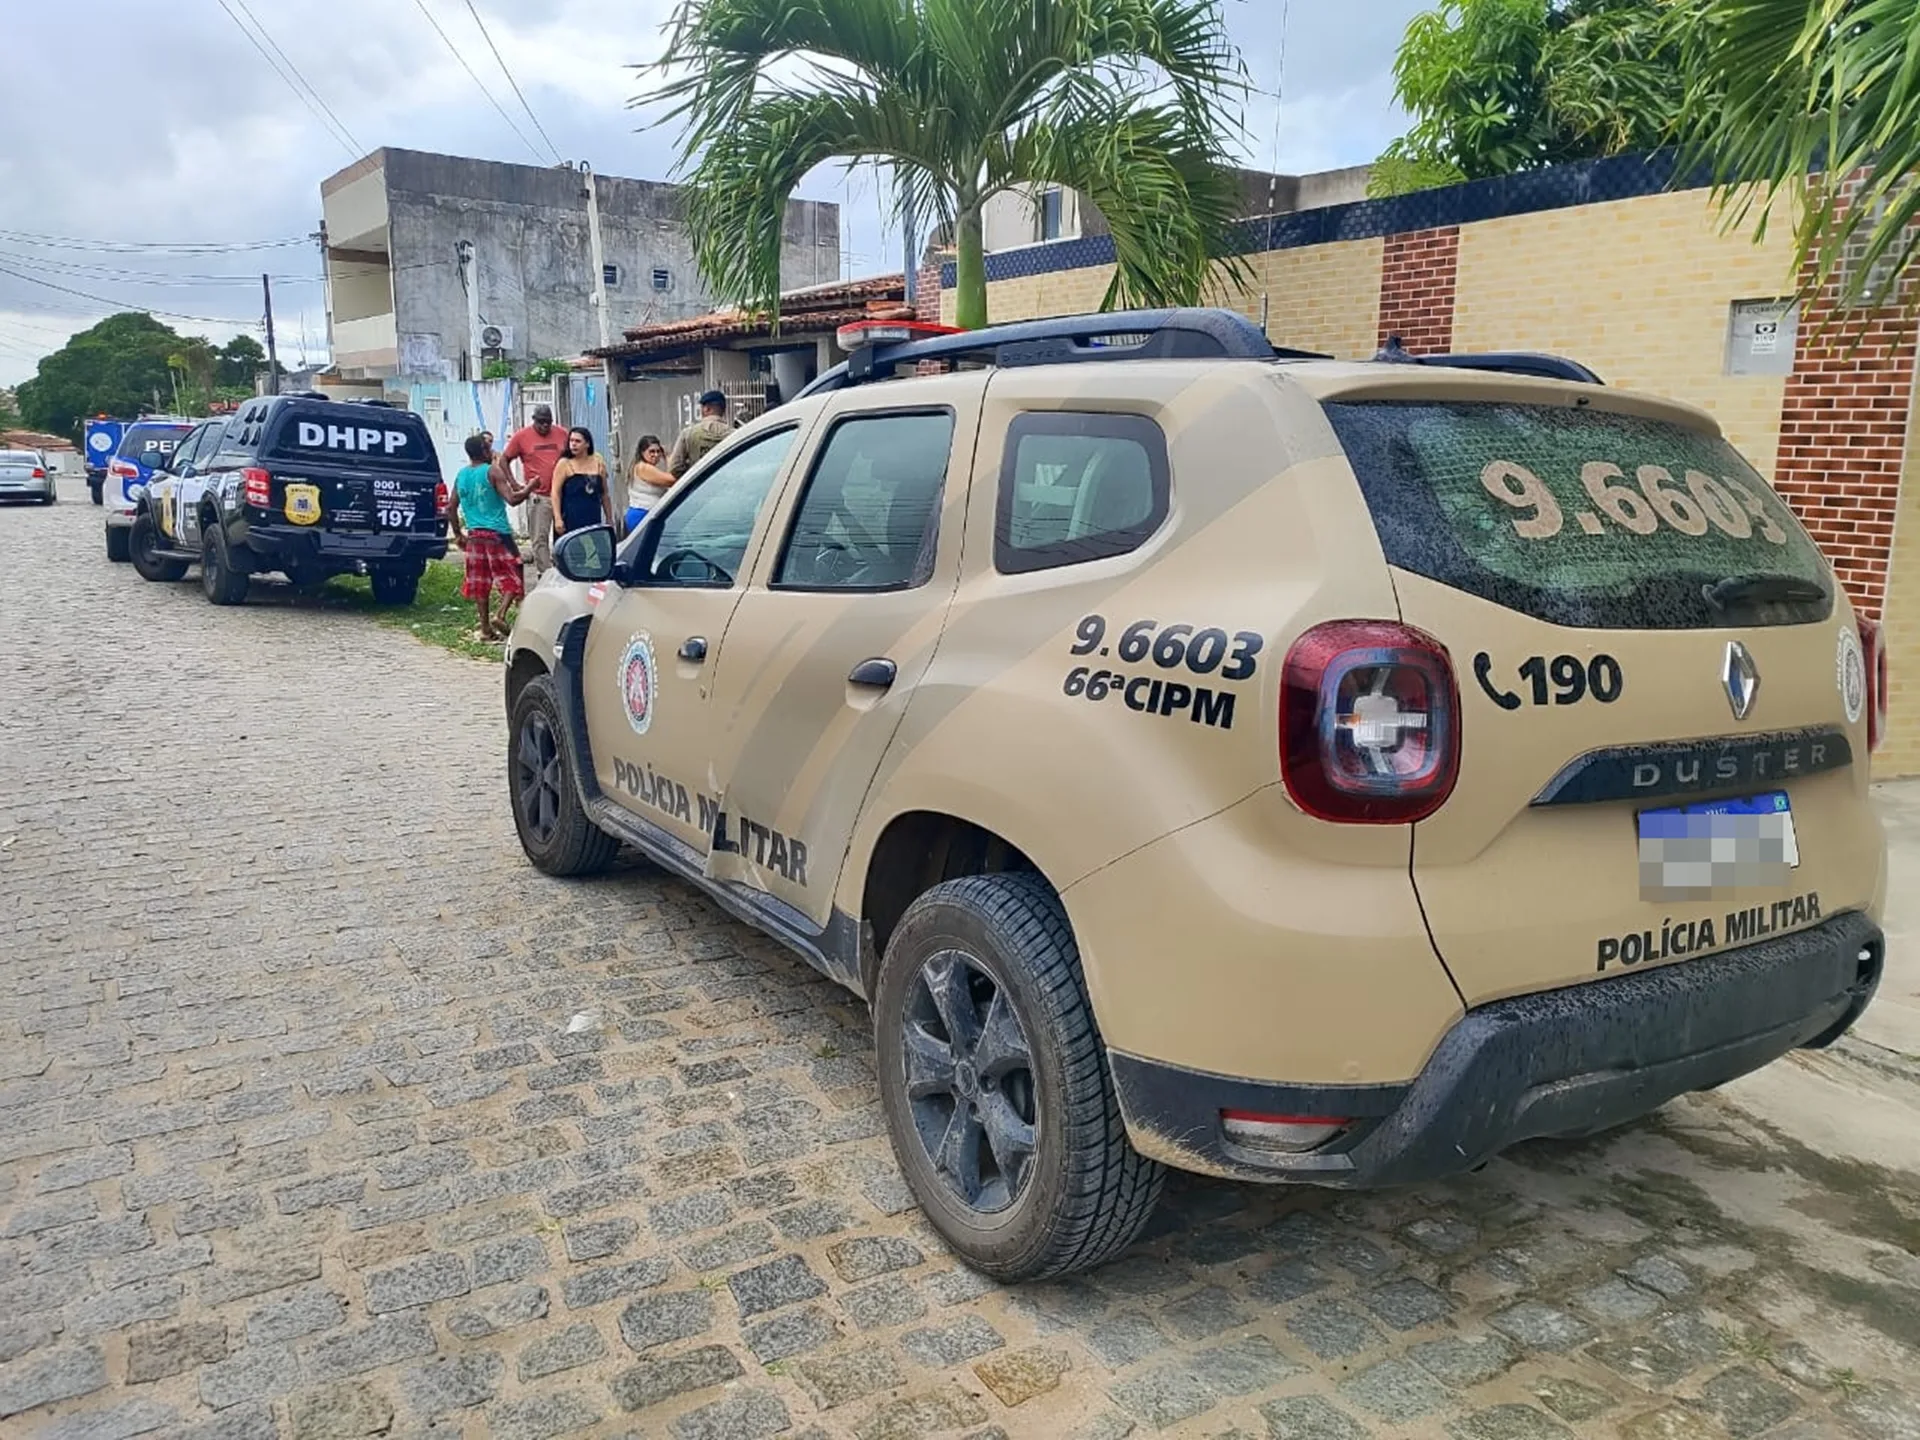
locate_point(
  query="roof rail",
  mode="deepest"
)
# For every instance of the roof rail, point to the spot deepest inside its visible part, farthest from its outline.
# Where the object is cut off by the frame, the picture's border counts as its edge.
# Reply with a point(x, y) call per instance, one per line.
point(1510, 362)
point(1183, 334)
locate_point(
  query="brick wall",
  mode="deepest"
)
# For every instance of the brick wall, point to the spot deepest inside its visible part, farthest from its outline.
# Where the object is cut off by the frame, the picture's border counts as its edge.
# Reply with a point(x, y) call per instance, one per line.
point(926, 295)
point(1417, 273)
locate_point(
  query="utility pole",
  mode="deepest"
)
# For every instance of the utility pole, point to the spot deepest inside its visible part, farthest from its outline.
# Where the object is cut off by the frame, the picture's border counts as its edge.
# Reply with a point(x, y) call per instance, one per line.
point(273, 356)
point(470, 281)
point(596, 255)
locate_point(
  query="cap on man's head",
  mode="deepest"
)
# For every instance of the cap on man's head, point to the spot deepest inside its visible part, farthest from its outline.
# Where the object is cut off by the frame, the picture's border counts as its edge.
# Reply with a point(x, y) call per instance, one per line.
point(542, 412)
point(713, 400)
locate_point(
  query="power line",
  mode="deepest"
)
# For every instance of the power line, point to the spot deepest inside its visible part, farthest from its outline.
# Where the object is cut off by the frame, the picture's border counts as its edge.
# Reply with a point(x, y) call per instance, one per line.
point(123, 304)
point(181, 247)
point(267, 35)
point(87, 271)
point(454, 50)
point(316, 107)
point(514, 83)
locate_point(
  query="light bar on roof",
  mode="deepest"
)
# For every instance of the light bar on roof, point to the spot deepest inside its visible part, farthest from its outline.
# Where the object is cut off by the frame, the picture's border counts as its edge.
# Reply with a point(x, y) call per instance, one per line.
point(862, 333)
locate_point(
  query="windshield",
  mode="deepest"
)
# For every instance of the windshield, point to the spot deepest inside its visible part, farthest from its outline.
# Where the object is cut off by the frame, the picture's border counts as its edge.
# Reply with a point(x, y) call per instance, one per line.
point(1581, 517)
point(151, 444)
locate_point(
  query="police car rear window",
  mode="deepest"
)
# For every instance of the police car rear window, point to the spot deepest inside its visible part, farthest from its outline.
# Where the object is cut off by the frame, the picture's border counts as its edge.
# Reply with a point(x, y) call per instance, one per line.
point(1581, 517)
point(368, 436)
point(150, 444)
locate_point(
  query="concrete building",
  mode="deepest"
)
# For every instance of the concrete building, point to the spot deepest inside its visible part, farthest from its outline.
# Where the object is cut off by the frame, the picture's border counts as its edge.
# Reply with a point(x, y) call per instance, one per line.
point(438, 264)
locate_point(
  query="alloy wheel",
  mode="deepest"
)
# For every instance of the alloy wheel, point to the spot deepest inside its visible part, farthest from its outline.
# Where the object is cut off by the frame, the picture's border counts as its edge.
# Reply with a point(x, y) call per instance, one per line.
point(537, 777)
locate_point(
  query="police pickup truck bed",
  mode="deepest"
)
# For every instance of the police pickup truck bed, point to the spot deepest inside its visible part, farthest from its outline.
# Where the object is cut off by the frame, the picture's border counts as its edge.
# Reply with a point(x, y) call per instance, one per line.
point(306, 486)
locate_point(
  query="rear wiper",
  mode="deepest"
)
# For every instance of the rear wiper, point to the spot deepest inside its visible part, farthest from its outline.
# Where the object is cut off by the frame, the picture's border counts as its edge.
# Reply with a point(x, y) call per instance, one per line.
point(1762, 590)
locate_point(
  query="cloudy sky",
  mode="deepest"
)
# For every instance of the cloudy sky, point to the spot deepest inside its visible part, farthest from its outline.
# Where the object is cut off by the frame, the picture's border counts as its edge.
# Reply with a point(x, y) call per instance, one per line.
point(154, 159)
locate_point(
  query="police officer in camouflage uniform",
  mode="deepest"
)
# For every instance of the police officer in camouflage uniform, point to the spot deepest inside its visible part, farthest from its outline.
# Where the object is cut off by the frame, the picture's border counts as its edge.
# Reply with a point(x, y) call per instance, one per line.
point(698, 438)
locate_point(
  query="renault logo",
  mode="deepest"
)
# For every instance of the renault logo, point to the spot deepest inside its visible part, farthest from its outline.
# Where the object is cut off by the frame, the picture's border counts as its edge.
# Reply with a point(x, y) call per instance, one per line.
point(1742, 679)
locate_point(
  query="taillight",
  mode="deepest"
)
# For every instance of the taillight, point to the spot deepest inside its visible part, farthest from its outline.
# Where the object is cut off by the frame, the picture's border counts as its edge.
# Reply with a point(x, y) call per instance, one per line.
point(440, 500)
point(1369, 723)
point(38, 473)
point(1874, 651)
point(123, 470)
point(256, 487)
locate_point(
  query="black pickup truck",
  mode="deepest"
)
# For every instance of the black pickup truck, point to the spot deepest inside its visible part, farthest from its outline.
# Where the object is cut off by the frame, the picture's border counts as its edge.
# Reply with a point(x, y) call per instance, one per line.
point(302, 484)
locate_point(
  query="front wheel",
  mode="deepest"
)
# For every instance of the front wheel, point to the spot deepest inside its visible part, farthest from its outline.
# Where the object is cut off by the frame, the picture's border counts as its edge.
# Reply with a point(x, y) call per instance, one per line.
point(555, 830)
point(994, 1081)
point(395, 585)
point(224, 582)
point(143, 546)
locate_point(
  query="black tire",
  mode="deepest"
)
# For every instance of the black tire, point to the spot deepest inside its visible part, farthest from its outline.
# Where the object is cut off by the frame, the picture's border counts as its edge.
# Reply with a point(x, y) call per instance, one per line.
point(142, 541)
point(51, 497)
point(553, 825)
point(394, 585)
point(224, 582)
point(118, 549)
point(93, 489)
point(1083, 1193)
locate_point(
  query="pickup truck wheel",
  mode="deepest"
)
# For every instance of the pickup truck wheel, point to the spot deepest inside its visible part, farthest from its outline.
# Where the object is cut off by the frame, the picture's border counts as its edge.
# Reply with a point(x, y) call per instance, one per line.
point(143, 544)
point(994, 1081)
point(554, 828)
point(223, 581)
point(117, 550)
point(394, 585)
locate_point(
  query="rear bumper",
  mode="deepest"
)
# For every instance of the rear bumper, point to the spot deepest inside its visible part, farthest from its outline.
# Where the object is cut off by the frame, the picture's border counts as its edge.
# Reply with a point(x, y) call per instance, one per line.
point(27, 490)
point(1559, 1062)
point(287, 545)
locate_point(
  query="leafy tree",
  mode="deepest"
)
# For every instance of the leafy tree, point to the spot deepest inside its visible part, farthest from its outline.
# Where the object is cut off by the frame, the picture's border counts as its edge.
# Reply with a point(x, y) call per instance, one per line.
point(1496, 86)
point(119, 366)
point(241, 358)
point(1123, 100)
point(1792, 91)
point(196, 360)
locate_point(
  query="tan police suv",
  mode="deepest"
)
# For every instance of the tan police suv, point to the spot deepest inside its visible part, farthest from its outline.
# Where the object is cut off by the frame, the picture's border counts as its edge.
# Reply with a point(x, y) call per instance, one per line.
point(1248, 762)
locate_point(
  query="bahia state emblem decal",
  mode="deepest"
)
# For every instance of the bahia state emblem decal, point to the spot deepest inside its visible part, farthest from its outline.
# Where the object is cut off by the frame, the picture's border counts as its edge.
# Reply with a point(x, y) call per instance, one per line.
point(638, 682)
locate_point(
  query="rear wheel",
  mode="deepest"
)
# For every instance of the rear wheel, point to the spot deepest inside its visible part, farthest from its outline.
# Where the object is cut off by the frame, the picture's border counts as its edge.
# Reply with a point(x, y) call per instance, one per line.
point(143, 544)
point(224, 582)
point(117, 548)
point(395, 584)
point(554, 828)
point(50, 497)
point(93, 489)
point(994, 1081)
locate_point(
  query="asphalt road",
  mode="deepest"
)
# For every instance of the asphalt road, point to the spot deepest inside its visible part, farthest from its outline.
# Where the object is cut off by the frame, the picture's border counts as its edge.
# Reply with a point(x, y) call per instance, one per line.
point(323, 1114)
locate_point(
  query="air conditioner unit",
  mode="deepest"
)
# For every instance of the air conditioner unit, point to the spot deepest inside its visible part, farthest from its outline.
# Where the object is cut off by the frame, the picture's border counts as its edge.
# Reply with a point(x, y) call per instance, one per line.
point(496, 337)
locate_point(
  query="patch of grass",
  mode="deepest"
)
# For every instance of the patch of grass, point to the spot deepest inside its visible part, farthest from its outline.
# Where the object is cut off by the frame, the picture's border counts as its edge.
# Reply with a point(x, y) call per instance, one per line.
point(438, 615)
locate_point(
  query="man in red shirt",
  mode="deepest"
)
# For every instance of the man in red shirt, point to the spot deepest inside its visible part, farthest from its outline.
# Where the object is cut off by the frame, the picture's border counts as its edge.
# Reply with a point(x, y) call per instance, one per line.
point(538, 447)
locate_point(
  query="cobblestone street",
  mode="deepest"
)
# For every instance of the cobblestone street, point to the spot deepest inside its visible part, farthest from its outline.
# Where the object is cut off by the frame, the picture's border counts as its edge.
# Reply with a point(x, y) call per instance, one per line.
point(322, 1114)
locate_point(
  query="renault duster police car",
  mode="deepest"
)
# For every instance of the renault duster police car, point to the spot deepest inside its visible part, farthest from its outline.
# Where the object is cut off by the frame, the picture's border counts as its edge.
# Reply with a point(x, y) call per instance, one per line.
point(1209, 757)
point(301, 484)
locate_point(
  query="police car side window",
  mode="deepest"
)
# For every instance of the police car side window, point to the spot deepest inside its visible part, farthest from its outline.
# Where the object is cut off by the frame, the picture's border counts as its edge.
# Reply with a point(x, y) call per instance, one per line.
point(702, 540)
point(867, 519)
point(1078, 486)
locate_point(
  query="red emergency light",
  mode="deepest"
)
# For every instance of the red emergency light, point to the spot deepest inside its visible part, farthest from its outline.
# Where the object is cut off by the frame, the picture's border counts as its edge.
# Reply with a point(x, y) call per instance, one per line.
point(862, 333)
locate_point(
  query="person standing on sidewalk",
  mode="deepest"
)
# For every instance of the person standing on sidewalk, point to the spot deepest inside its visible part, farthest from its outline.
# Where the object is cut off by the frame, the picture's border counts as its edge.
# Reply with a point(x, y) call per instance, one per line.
point(582, 489)
point(649, 483)
point(702, 435)
point(478, 520)
point(538, 447)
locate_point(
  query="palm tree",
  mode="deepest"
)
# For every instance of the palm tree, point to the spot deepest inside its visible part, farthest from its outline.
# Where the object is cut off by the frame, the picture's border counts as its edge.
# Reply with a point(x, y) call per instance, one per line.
point(1790, 92)
point(196, 360)
point(1125, 101)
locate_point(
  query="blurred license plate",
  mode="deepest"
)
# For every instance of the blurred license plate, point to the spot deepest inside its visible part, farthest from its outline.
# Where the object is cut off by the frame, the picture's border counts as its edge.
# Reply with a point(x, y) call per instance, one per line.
point(1698, 851)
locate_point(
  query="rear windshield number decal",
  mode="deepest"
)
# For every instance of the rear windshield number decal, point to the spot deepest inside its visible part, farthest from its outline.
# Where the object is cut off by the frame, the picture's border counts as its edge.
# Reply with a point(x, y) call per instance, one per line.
point(1725, 503)
point(1563, 680)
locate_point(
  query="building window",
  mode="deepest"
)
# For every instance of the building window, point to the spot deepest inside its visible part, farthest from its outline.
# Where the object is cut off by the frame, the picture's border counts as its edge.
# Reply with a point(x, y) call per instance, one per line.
point(610, 275)
point(662, 278)
point(1051, 208)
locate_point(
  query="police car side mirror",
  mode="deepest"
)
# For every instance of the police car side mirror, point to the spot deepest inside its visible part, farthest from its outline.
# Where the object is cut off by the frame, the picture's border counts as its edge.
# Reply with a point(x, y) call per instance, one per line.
point(585, 554)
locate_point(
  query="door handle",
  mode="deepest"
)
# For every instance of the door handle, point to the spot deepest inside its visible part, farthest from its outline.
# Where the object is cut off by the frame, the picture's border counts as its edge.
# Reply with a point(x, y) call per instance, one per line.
point(695, 648)
point(877, 673)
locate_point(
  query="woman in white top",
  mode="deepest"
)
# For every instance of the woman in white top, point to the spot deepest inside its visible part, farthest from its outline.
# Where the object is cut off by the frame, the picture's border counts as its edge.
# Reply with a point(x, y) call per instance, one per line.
point(647, 486)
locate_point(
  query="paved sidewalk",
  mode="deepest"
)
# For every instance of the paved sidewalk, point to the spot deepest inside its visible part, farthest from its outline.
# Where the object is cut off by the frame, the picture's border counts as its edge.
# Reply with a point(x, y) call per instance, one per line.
point(322, 1115)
